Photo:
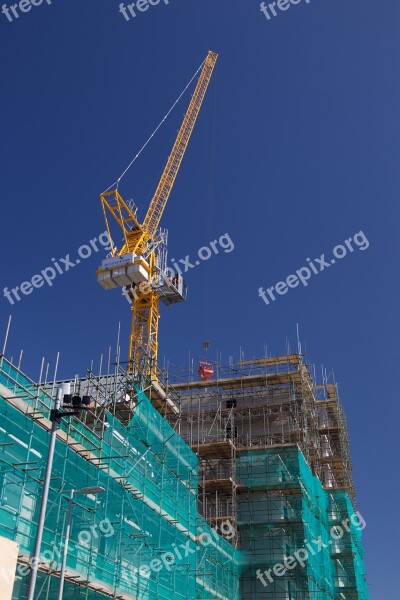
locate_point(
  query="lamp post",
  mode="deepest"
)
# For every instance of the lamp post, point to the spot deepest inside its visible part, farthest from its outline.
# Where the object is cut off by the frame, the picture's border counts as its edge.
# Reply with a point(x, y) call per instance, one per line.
point(34, 560)
point(84, 491)
point(56, 416)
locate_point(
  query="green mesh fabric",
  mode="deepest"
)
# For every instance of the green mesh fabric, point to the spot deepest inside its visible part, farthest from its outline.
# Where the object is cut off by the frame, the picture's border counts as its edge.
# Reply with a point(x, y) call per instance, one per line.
point(286, 511)
point(143, 537)
point(347, 552)
point(139, 537)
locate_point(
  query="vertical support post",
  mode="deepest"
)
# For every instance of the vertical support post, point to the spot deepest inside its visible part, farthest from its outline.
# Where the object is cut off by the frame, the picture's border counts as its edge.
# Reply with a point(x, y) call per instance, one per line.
point(35, 558)
point(5, 341)
point(66, 543)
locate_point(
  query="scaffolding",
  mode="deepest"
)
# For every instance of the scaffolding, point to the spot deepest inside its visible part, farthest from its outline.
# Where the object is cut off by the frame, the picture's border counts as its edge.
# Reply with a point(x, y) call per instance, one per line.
point(261, 453)
point(259, 405)
point(282, 509)
point(271, 444)
point(335, 452)
point(143, 538)
point(347, 552)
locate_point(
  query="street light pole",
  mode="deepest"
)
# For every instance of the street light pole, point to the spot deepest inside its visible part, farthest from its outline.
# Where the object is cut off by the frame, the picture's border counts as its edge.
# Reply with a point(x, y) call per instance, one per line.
point(56, 416)
point(66, 542)
point(85, 491)
point(34, 560)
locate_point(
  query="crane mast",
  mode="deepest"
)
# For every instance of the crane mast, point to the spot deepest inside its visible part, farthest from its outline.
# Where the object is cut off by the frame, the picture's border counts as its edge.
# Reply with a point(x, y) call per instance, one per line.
point(139, 265)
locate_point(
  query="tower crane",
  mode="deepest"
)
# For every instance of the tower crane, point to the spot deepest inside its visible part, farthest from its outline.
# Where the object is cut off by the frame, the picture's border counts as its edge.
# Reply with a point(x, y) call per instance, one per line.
point(139, 265)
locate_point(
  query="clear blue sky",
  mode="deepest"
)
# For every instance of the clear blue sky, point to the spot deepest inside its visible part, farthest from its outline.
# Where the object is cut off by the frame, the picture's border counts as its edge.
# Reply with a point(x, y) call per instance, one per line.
point(295, 151)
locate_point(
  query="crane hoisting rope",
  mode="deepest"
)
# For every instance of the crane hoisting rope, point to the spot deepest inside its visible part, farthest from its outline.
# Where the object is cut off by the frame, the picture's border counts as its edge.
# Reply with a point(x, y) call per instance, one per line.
point(210, 210)
point(116, 183)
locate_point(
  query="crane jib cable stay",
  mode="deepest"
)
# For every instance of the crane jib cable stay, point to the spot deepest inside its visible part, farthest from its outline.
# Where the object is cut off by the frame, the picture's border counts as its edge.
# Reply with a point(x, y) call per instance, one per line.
point(139, 265)
point(117, 181)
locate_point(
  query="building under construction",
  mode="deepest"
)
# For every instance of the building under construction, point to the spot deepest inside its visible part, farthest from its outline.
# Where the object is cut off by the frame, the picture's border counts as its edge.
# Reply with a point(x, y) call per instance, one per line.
point(237, 487)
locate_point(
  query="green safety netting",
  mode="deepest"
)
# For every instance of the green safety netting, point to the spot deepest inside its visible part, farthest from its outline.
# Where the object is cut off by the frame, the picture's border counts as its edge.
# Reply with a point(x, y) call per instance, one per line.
point(286, 512)
point(139, 537)
point(148, 513)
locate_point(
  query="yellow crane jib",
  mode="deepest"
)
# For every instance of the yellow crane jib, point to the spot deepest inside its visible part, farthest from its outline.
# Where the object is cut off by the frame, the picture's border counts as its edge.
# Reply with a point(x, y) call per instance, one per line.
point(139, 265)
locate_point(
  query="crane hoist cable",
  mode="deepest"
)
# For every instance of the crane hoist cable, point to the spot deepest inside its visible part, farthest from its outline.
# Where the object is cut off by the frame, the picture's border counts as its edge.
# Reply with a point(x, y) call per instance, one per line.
point(210, 207)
